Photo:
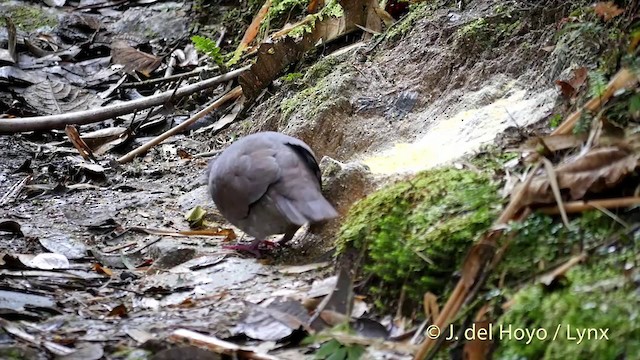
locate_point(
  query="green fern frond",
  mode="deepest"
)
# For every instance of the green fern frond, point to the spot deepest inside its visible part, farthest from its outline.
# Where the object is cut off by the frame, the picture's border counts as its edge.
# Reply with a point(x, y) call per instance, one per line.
point(597, 84)
point(208, 47)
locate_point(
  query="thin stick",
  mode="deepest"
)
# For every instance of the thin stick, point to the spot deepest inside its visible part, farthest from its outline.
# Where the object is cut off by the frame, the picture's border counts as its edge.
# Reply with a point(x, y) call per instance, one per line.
point(233, 94)
point(15, 125)
point(580, 206)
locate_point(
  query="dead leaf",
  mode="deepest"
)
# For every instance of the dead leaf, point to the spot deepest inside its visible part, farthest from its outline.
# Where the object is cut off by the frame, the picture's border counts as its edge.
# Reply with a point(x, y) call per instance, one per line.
point(475, 262)
point(183, 154)
point(595, 171)
point(216, 345)
point(570, 88)
point(119, 311)
point(45, 261)
point(55, 3)
point(340, 299)
point(66, 245)
point(172, 258)
point(273, 323)
point(607, 10)
point(85, 351)
point(185, 352)
point(553, 143)
point(430, 304)
point(253, 28)
point(133, 59)
point(103, 140)
point(52, 97)
point(102, 270)
point(78, 143)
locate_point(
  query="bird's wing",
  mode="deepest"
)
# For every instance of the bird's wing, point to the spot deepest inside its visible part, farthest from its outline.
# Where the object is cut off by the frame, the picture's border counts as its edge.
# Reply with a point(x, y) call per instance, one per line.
point(298, 194)
point(242, 176)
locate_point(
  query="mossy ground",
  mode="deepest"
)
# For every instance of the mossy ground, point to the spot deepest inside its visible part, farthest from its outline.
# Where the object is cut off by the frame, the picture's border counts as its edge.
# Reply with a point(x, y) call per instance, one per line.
point(416, 232)
point(321, 81)
point(598, 298)
point(29, 17)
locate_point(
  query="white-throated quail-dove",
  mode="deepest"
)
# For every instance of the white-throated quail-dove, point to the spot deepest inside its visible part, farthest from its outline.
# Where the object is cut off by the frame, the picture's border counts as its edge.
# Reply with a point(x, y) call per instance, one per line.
point(268, 183)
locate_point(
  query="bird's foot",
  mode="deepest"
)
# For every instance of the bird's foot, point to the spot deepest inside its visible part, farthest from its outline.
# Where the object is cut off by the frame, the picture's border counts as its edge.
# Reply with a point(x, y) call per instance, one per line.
point(252, 249)
point(257, 248)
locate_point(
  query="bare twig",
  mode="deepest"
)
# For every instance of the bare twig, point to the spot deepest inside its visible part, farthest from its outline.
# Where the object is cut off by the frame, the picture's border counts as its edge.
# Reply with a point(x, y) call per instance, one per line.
point(233, 94)
point(580, 206)
point(14, 125)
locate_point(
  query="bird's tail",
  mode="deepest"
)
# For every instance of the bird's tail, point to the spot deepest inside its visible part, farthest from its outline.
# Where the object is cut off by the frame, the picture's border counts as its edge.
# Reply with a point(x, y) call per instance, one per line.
point(308, 211)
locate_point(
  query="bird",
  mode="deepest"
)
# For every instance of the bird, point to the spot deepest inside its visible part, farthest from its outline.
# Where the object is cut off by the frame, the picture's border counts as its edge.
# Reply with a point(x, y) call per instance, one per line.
point(268, 183)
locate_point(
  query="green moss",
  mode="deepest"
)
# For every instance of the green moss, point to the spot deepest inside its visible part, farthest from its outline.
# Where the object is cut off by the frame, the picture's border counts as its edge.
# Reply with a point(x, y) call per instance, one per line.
point(541, 241)
point(597, 299)
point(29, 18)
point(473, 28)
point(416, 12)
point(319, 95)
point(292, 77)
point(416, 232)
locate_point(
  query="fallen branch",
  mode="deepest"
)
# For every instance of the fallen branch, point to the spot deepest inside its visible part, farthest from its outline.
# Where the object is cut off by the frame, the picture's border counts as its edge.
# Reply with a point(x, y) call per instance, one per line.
point(40, 123)
point(233, 94)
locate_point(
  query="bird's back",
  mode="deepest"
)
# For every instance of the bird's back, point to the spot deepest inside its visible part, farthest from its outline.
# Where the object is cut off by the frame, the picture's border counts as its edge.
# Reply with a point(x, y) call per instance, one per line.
point(266, 182)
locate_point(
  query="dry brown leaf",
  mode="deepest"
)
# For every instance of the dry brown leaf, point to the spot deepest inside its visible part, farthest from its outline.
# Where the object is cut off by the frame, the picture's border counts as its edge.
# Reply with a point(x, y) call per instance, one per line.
point(607, 10)
point(119, 311)
point(103, 140)
point(78, 143)
point(430, 304)
point(553, 143)
point(133, 59)
point(476, 261)
point(275, 55)
point(597, 170)
point(570, 88)
point(102, 270)
point(314, 5)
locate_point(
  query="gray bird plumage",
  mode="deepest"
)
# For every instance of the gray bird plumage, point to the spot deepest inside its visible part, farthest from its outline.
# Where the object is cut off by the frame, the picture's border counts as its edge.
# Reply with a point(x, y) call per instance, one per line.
point(268, 183)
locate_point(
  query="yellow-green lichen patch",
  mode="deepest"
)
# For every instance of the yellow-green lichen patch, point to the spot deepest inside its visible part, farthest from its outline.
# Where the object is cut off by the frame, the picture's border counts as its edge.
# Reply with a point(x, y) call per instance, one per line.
point(28, 17)
point(416, 232)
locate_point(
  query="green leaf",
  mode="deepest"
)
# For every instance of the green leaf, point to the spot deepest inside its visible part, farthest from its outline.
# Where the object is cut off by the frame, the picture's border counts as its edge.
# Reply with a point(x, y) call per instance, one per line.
point(327, 349)
point(555, 120)
point(355, 352)
point(195, 216)
point(208, 47)
point(340, 354)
